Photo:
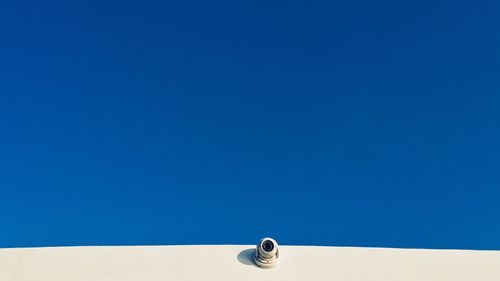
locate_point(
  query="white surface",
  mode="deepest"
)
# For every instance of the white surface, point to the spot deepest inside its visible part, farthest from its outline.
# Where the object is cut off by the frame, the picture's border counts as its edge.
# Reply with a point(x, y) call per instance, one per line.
point(235, 263)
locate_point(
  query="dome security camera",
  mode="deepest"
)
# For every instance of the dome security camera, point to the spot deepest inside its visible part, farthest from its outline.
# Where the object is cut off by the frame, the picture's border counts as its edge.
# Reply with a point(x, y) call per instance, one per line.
point(267, 253)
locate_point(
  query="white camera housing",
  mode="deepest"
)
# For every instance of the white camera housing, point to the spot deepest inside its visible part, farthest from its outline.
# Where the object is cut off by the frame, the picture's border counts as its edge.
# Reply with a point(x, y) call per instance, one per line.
point(266, 253)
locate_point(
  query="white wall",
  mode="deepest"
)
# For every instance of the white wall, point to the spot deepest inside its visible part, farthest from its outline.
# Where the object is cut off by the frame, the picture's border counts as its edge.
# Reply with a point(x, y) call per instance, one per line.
point(234, 263)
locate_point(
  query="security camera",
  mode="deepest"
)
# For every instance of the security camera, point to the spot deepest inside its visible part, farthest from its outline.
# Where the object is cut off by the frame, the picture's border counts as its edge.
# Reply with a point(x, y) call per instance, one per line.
point(267, 253)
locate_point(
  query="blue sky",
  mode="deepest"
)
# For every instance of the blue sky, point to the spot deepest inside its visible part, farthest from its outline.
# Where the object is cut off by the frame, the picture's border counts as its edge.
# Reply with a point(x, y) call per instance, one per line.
point(348, 123)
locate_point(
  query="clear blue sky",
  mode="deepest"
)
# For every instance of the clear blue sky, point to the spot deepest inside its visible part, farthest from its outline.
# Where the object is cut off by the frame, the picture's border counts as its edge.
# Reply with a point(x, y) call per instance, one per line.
point(359, 123)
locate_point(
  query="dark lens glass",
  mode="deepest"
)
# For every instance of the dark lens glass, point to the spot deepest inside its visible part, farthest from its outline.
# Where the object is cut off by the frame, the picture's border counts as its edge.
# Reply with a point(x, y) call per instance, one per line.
point(268, 246)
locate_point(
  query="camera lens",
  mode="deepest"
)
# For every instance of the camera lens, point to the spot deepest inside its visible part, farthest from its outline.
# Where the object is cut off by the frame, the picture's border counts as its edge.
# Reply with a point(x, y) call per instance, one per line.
point(268, 246)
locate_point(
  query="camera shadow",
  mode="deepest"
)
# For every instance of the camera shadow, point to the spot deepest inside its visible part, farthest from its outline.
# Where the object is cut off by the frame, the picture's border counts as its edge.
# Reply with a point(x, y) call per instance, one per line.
point(246, 257)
